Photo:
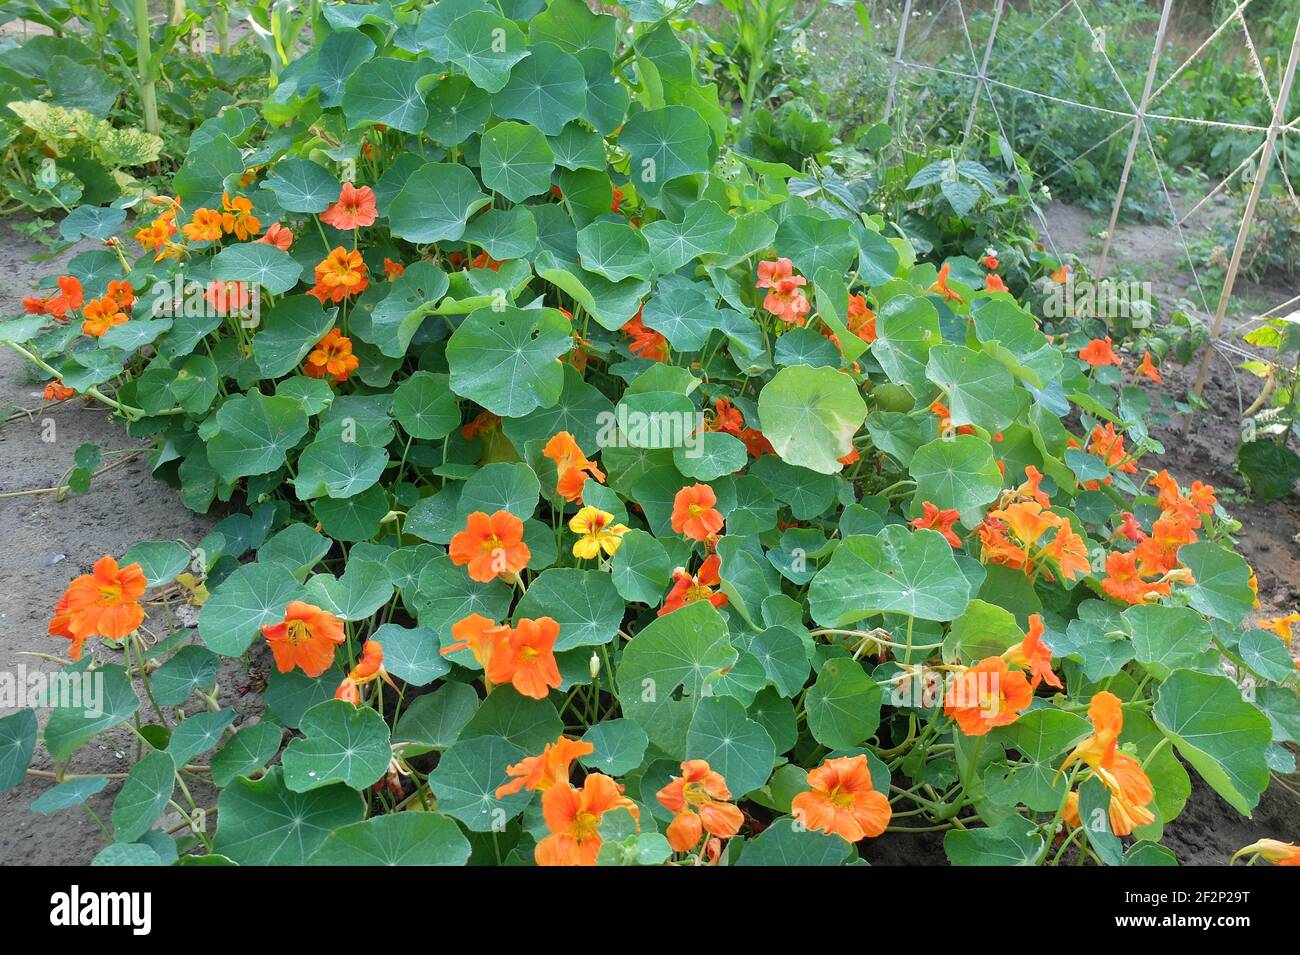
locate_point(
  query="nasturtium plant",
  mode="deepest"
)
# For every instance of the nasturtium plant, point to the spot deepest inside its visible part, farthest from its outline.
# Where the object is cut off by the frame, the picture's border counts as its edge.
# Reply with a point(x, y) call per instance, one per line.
point(591, 486)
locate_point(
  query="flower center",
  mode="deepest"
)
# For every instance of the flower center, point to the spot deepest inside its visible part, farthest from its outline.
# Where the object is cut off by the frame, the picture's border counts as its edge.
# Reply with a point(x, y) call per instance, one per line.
point(298, 632)
point(110, 594)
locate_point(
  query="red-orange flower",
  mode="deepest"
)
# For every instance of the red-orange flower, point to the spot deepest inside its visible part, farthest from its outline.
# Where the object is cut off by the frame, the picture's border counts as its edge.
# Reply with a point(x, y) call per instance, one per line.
point(394, 270)
point(694, 513)
point(1148, 369)
point(69, 299)
point(368, 669)
point(57, 391)
point(353, 209)
point(1271, 850)
point(1034, 655)
point(489, 546)
point(843, 801)
point(571, 465)
point(862, 320)
point(726, 417)
point(573, 817)
point(646, 342)
point(785, 298)
point(941, 521)
point(122, 293)
point(540, 773)
point(699, 801)
point(157, 237)
point(993, 283)
point(104, 603)
point(477, 634)
point(339, 275)
point(941, 285)
point(332, 357)
point(101, 315)
point(278, 236)
point(1108, 445)
point(237, 217)
point(305, 638)
point(228, 297)
point(1098, 352)
point(204, 226)
point(1130, 789)
point(687, 589)
point(1124, 581)
point(986, 695)
point(525, 658)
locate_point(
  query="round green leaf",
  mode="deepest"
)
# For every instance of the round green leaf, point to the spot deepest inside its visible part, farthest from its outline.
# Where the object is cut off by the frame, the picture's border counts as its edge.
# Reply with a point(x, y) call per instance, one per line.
point(810, 416)
point(405, 838)
point(264, 823)
point(507, 360)
point(342, 743)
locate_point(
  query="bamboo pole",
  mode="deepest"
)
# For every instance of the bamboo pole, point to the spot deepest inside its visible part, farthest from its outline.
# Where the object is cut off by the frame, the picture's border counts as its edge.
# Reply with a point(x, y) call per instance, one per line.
point(898, 58)
point(1139, 125)
point(984, 68)
point(1248, 217)
point(143, 56)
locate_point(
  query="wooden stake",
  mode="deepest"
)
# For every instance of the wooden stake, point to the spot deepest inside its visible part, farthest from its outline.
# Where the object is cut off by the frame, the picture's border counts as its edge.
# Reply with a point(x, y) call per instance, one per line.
point(984, 66)
point(898, 58)
point(1248, 217)
point(1139, 124)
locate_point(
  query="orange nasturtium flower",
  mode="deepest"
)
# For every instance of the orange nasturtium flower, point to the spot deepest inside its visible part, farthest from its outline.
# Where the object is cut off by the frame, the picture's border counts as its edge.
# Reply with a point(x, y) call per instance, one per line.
point(101, 315)
point(1034, 655)
point(122, 293)
point(694, 513)
point(941, 285)
point(1130, 789)
point(1279, 625)
point(540, 773)
point(525, 658)
point(571, 465)
point(69, 299)
point(1098, 352)
point(698, 800)
point(104, 603)
point(939, 520)
point(57, 391)
point(156, 237)
point(305, 638)
point(861, 319)
point(596, 532)
point(332, 357)
point(1271, 850)
point(204, 226)
point(278, 236)
point(477, 634)
point(785, 297)
point(353, 209)
point(687, 589)
point(986, 695)
point(843, 801)
point(368, 669)
point(993, 283)
point(394, 270)
point(1124, 580)
point(1108, 445)
point(227, 297)
point(339, 275)
point(490, 546)
point(573, 817)
point(1148, 369)
point(646, 342)
point(237, 217)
